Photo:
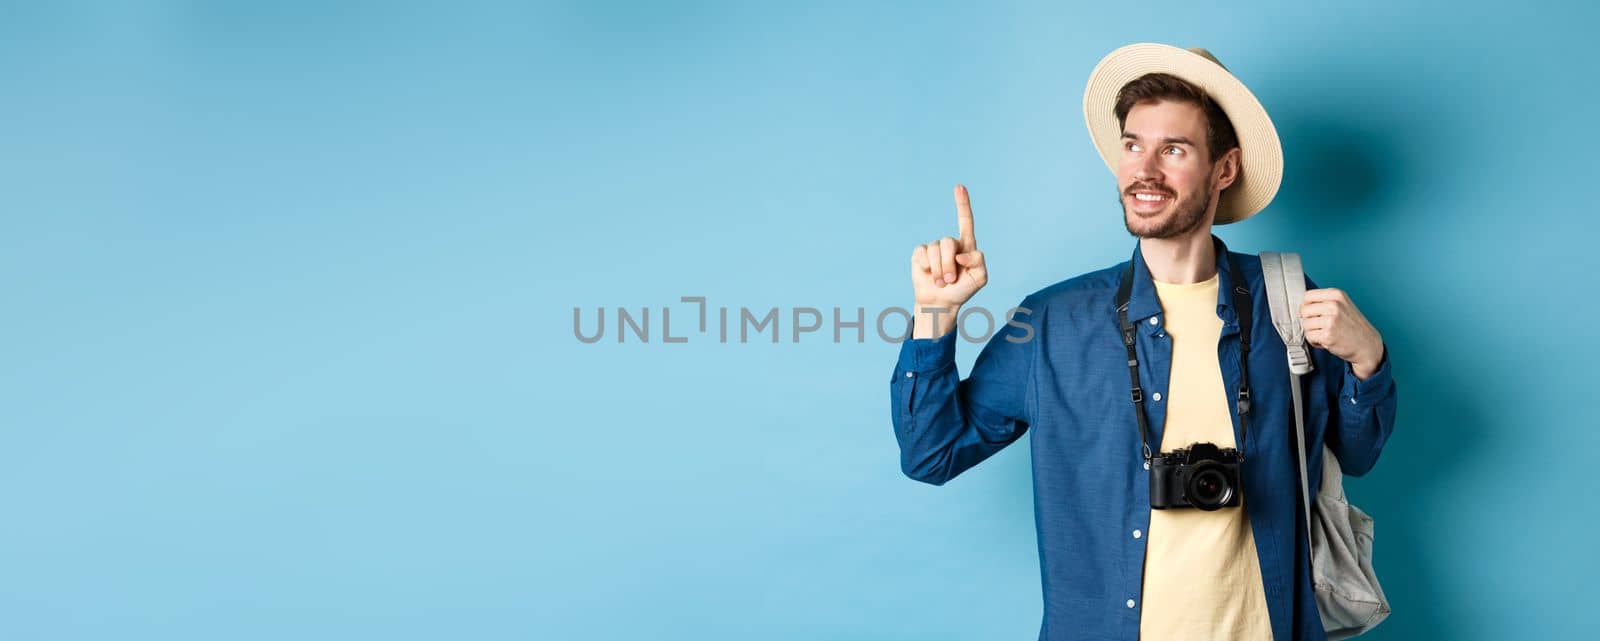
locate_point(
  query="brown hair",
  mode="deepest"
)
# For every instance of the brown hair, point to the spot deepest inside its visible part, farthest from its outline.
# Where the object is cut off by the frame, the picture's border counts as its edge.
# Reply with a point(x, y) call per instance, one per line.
point(1155, 87)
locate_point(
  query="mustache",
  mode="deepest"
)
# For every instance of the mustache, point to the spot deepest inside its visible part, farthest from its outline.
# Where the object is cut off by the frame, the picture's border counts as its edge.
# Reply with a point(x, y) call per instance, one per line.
point(1149, 187)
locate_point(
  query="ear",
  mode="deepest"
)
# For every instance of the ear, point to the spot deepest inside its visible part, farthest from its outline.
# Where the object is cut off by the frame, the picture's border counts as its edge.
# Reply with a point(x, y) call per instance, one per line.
point(1228, 168)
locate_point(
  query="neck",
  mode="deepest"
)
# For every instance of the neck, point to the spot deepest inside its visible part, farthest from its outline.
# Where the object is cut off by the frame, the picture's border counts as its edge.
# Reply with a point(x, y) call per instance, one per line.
point(1184, 259)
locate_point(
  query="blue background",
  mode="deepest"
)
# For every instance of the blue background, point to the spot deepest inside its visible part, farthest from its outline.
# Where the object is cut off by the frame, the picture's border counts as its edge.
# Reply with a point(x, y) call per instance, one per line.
point(289, 291)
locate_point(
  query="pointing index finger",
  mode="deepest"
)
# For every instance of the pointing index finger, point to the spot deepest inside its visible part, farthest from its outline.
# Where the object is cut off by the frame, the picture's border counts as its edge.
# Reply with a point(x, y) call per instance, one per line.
point(969, 242)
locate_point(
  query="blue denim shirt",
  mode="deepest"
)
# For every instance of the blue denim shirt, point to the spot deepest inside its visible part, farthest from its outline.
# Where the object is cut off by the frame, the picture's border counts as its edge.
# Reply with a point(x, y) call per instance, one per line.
point(1060, 368)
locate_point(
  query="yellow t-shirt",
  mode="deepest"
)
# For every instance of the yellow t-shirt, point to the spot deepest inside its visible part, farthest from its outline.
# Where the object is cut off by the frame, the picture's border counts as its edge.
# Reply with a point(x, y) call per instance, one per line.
point(1202, 578)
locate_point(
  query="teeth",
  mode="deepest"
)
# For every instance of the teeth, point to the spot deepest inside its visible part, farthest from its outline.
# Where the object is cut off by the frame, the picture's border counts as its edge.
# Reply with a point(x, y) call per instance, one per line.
point(1148, 197)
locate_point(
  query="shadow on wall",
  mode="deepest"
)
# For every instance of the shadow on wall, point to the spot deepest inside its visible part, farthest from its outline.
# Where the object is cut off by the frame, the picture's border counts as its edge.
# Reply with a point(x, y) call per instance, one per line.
point(1346, 170)
point(1337, 181)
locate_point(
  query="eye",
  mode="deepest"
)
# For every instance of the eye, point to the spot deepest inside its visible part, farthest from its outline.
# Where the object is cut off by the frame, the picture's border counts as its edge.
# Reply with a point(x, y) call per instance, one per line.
point(1173, 150)
point(1130, 146)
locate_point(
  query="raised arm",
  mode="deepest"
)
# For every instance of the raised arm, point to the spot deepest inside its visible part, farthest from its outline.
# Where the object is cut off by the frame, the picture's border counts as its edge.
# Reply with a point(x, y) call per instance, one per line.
point(1362, 415)
point(945, 424)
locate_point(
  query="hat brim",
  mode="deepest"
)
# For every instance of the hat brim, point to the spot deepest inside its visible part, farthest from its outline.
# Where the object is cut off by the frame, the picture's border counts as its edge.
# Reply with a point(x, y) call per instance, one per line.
point(1261, 155)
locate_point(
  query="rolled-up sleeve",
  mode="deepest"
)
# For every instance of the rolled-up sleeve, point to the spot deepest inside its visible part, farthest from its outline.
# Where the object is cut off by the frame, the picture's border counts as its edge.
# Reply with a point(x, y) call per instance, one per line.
point(1365, 417)
point(945, 424)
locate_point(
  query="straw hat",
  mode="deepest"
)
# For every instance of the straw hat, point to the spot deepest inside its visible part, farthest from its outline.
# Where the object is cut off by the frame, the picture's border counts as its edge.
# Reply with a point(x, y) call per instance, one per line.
point(1261, 157)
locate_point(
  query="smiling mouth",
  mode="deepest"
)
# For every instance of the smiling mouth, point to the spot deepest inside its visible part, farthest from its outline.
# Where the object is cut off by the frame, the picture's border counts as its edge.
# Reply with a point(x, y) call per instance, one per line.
point(1146, 203)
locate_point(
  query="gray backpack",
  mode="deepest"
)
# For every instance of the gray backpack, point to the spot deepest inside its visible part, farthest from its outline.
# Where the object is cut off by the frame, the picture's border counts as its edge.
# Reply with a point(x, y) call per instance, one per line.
point(1348, 595)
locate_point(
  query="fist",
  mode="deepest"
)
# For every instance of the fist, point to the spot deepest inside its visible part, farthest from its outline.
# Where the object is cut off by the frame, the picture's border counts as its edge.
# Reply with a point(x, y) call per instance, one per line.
point(948, 271)
point(1334, 323)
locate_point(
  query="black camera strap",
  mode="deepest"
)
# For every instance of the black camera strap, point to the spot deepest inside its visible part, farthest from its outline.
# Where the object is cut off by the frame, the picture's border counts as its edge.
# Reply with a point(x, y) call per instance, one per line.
point(1242, 309)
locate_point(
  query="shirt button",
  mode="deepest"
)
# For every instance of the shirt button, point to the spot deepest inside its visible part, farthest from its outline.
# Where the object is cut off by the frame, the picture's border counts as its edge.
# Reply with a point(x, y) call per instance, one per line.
point(1137, 534)
point(1352, 400)
point(909, 374)
point(1147, 465)
point(1152, 322)
point(1156, 396)
point(1130, 603)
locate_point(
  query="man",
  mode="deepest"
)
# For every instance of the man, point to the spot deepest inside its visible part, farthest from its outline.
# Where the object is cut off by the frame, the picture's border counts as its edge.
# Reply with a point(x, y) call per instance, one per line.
point(1191, 148)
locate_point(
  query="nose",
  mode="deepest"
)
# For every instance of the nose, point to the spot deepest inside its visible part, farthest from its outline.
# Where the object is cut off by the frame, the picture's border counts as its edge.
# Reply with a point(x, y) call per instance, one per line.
point(1147, 169)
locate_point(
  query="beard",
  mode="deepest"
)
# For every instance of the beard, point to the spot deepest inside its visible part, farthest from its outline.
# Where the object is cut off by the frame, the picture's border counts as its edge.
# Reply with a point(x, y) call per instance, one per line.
point(1187, 215)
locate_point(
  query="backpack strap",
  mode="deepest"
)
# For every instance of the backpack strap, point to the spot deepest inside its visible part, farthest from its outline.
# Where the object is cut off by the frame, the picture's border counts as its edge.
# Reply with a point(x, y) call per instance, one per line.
point(1286, 290)
point(1285, 283)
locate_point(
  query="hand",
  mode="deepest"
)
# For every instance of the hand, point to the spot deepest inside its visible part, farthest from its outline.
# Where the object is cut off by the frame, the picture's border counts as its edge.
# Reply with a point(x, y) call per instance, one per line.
point(949, 271)
point(1333, 323)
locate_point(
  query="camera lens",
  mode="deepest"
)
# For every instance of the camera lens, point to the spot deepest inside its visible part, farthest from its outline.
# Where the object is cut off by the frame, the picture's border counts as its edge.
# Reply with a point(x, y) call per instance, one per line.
point(1208, 487)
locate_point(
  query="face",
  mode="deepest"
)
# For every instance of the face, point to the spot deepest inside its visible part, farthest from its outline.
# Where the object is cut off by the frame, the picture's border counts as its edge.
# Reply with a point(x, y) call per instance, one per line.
point(1166, 181)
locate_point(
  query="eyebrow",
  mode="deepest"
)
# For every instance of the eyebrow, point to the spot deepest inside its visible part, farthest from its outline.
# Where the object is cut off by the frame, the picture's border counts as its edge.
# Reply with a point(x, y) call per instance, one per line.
point(1169, 139)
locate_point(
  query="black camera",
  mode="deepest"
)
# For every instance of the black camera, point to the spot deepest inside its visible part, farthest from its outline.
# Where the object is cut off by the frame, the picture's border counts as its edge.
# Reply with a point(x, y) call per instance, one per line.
point(1202, 476)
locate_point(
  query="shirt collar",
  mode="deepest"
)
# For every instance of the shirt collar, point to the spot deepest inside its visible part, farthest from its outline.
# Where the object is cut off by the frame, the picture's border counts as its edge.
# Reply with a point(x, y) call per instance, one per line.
point(1143, 302)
